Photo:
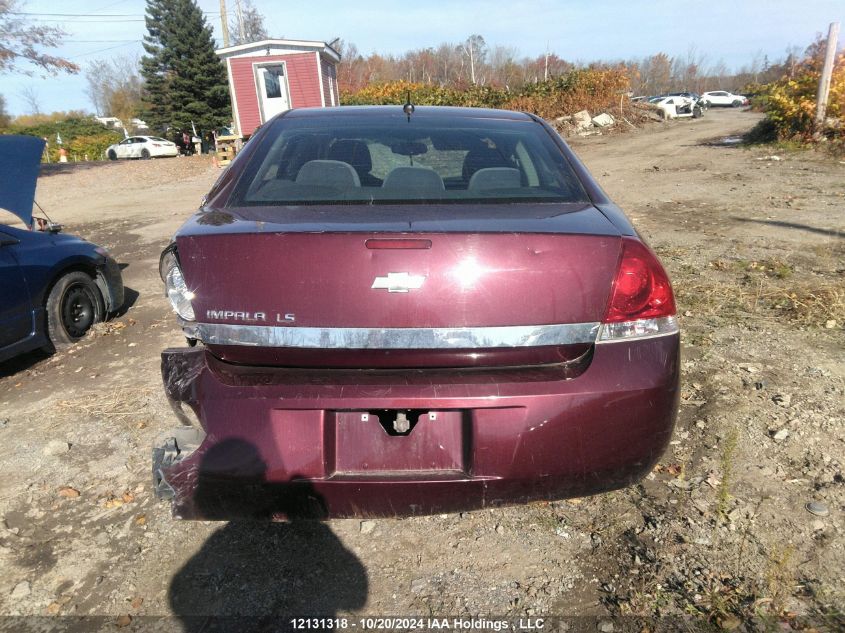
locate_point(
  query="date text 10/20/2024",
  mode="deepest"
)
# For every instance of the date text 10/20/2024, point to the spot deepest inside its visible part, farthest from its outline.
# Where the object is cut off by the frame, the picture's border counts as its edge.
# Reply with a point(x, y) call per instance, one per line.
point(425, 624)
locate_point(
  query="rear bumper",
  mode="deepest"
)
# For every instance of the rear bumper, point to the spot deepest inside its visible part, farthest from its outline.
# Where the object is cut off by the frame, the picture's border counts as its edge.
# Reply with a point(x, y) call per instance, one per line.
point(164, 152)
point(282, 443)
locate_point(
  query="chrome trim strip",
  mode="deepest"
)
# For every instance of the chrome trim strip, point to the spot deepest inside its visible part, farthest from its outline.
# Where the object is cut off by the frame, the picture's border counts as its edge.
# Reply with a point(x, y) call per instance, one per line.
point(391, 338)
point(664, 326)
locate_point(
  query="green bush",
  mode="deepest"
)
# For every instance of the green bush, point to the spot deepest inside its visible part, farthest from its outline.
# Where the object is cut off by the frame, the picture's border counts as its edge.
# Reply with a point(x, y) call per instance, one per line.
point(89, 147)
point(80, 136)
point(790, 103)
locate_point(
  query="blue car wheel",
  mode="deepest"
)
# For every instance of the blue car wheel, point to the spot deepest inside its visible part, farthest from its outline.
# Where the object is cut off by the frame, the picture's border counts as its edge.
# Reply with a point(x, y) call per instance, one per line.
point(73, 307)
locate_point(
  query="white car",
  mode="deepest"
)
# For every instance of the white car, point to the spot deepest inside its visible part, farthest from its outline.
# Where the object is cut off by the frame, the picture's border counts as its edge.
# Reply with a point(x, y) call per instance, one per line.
point(142, 147)
point(724, 98)
point(675, 107)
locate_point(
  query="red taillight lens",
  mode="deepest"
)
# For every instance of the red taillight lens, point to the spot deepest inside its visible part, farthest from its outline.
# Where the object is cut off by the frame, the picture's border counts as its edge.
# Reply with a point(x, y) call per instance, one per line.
point(641, 289)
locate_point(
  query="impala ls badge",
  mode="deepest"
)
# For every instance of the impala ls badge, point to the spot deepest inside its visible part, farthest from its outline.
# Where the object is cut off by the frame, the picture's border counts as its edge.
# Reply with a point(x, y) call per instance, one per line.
point(398, 282)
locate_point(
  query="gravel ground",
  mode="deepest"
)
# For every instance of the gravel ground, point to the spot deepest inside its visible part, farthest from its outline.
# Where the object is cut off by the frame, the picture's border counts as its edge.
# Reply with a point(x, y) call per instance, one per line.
point(720, 533)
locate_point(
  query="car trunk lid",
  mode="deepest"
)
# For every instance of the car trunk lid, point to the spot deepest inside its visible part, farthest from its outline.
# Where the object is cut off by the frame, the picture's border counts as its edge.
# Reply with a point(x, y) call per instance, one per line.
point(275, 295)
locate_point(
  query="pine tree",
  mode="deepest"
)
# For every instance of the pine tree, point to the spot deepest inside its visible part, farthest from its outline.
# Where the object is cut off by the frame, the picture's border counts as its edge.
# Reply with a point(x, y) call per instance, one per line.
point(185, 81)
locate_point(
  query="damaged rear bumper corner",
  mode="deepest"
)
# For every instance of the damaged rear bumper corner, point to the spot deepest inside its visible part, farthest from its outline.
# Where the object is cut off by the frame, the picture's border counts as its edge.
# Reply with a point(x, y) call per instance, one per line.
point(170, 449)
point(282, 443)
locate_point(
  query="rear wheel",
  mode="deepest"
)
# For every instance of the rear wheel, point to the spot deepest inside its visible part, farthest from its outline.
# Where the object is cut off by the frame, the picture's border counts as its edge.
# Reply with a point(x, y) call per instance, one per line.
point(112, 155)
point(73, 306)
point(145, 153)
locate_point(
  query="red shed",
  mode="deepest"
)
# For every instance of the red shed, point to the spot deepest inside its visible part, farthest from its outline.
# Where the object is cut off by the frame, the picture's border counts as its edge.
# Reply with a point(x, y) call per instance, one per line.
point(271, 76)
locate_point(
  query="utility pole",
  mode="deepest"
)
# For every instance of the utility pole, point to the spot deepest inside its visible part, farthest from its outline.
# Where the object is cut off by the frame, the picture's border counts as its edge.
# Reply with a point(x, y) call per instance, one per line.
point(546, 69)
point(241, 33)
point(224, 23)
point(827, 71)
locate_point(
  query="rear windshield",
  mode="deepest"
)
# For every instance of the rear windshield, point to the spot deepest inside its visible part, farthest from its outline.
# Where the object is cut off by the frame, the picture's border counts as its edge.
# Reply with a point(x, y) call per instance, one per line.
point(342, 159)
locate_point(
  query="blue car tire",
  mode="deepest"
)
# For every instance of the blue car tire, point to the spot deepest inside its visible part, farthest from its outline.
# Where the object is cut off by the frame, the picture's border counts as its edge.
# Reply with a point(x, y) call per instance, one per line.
point(73, 307)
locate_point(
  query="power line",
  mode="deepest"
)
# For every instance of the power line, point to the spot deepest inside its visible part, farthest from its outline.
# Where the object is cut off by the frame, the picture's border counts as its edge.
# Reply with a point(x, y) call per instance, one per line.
point(79, 15)
point(103, 50)
point(86, 21)
point(109, 6)
point(92, 15)
point(97, 41)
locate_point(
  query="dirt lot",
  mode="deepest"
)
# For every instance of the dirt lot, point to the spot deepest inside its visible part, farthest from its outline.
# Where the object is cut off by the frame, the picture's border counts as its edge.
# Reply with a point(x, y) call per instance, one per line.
point(754, 239)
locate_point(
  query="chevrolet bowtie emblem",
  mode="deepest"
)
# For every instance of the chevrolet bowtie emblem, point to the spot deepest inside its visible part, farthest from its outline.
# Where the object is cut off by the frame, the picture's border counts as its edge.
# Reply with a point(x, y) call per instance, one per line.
point(398, 282)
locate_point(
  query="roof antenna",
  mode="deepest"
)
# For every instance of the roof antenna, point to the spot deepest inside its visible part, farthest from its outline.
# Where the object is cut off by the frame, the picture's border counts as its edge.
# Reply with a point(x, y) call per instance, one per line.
point(408, 108)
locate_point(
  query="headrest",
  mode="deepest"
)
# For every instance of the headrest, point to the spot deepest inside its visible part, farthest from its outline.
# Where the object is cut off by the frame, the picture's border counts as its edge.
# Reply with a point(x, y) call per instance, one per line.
point(328, 173)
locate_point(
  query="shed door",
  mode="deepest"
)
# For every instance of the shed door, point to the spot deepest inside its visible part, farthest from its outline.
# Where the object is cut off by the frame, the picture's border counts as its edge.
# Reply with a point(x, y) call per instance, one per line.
point(272, 90)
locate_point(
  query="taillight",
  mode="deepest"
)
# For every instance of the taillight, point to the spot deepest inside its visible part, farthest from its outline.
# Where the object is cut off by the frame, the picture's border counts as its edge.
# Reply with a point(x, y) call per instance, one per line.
point(641, 299)
point(174, 283)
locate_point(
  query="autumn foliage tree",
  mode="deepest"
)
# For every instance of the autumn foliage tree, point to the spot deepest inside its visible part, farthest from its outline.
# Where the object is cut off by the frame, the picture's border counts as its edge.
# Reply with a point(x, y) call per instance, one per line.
point(115, 87)
point(5, 119)
point(579, 89)
point(474, 62)
point(790, 102)
point(22, 43)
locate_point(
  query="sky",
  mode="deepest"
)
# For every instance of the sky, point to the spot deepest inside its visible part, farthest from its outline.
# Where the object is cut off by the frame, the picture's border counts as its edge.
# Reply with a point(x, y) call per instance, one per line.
point(733, 31)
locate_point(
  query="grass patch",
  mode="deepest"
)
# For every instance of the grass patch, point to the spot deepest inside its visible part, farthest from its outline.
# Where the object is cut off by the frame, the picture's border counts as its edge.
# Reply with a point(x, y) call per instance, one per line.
point(780, 578)
point(121, 402)
point(726, 465)
point(808, 302)
point(764, 267)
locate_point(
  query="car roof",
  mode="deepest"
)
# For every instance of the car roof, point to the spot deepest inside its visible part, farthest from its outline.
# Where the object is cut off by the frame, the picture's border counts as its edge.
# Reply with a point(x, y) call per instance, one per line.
point(446, 112)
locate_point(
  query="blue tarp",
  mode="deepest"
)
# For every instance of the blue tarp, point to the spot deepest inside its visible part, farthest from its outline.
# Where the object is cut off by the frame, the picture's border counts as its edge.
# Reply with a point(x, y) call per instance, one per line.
point(20, 159)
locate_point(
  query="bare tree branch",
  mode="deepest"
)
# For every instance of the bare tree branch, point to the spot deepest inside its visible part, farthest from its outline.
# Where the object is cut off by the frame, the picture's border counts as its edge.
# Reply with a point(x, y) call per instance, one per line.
point(22, 42)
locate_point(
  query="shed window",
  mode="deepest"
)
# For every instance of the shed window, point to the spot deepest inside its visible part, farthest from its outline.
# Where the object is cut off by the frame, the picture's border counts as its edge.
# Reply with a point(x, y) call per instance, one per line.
point(272, 81)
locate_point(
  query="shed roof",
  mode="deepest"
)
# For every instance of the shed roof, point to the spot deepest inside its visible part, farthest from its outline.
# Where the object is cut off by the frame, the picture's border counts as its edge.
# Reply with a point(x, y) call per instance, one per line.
point(262, 45)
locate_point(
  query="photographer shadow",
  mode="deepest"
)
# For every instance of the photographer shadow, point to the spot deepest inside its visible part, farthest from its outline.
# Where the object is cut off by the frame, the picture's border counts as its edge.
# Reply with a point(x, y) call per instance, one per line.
point(254, 574)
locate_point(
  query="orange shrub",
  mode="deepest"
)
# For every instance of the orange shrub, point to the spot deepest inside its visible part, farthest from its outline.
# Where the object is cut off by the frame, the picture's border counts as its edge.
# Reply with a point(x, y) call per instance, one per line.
point(790, 103)
point(590, 89)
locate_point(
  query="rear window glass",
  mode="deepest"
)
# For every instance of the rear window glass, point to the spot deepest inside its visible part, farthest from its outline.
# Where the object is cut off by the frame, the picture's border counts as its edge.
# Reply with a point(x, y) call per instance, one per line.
point(355, 159)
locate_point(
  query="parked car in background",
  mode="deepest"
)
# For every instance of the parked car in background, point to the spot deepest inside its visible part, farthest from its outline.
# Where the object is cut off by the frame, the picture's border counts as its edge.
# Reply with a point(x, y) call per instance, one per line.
point(724, 98)
point(404, 311)
point(53, 287)
point(691, 95)
point(142, 147)
point(677, 107)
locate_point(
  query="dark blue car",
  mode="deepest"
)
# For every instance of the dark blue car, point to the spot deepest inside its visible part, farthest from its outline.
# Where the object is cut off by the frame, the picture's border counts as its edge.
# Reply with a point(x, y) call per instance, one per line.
point(53, 287)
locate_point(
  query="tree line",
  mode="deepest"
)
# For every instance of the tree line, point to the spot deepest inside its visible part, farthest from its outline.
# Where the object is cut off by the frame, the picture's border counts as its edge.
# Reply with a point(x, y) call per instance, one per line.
point(180, 83)
point(474, 63)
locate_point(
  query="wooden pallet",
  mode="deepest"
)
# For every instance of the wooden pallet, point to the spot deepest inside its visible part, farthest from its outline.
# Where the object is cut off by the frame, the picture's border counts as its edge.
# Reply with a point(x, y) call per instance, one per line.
point(227, 148)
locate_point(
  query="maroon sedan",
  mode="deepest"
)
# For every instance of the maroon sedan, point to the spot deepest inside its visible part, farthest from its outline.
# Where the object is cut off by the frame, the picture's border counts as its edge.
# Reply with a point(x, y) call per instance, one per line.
point(405, 312)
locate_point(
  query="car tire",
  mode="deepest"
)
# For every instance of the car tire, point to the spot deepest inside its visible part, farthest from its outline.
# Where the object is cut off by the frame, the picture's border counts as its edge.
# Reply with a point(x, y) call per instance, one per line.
point(696, 112)
point(112, 155)
point(736, 103)
point(145, 154)
point(74, 305)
